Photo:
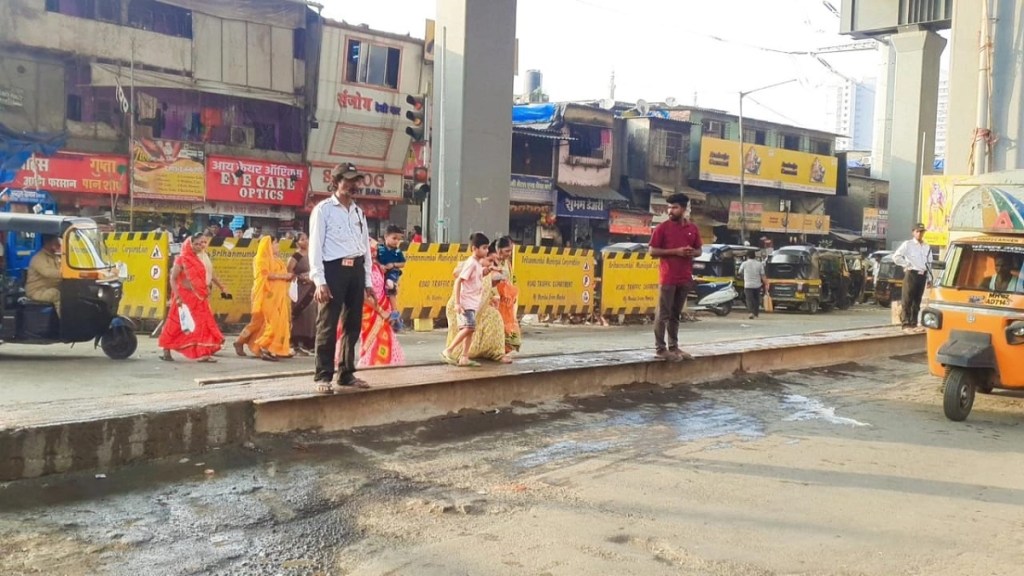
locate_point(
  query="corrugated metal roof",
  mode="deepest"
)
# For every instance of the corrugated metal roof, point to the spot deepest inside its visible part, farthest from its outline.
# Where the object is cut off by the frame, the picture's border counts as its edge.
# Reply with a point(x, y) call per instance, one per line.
point(691, 193)
point(592, 192)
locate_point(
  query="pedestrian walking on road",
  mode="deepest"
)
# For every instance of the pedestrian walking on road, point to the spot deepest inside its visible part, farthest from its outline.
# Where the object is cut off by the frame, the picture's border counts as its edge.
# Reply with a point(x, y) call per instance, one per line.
point(200, 338)
point(913, 255)
point(752, 271)
point(508, 307)
point(270, 302)
point(340, 261)
point(378, 344)
point(465, 303)
point(303, 309)
point(675, 242)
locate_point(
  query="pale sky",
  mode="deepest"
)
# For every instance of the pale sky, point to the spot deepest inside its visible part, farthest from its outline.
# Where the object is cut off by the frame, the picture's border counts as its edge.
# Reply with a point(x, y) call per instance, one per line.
point(663, 48)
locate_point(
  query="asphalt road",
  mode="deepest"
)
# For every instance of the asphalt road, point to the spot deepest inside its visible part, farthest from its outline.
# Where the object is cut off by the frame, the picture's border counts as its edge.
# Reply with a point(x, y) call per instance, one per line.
point(43, 373)
point(847, 471)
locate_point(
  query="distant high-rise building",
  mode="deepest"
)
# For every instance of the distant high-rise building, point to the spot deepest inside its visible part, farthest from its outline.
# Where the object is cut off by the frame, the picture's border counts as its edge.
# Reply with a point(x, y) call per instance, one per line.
point(942, 118)
point(851, 112)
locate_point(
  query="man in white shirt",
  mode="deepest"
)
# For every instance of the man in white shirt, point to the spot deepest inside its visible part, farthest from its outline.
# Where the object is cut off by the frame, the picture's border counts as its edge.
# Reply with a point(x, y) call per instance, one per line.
point(340, 261)
point(752, 271)
point(913, 256)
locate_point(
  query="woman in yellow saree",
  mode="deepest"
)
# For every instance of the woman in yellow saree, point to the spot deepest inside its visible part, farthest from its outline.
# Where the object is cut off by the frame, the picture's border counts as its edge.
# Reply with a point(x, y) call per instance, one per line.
point(271, 303)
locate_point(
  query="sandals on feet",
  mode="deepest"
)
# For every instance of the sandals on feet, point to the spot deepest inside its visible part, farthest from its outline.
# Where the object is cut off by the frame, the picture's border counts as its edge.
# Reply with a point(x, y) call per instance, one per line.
point(468, 363)
point(448, 359)
point(354, 383)
point(323, 387)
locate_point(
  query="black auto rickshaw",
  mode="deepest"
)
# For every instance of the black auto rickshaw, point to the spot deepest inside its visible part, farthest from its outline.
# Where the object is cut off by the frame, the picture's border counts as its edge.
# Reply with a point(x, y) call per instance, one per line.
point(90, 291)
point(889, 286)
point(809, 279)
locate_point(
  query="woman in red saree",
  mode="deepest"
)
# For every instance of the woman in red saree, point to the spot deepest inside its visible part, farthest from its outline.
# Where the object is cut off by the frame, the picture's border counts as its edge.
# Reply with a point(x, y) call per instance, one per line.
point(189, 288)
point(378, 344)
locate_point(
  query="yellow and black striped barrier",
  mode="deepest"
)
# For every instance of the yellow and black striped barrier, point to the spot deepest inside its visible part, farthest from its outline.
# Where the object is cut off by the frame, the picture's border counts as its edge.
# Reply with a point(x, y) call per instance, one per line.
point(428, 278)
point(144, 260)
point(629, 284)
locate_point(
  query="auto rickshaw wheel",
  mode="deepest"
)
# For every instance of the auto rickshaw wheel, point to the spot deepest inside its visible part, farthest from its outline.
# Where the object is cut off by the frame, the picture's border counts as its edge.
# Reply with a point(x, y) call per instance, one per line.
point(119, 343)
point(958, 397)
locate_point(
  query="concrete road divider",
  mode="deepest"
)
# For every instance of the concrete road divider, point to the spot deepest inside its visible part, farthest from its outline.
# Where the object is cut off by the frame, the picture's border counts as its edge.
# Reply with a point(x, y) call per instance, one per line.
point(99, 434)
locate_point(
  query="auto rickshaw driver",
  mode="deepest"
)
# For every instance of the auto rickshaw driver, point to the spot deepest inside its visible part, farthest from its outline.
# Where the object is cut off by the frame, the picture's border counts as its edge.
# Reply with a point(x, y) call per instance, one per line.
point(1003, 280)
point(44, 274)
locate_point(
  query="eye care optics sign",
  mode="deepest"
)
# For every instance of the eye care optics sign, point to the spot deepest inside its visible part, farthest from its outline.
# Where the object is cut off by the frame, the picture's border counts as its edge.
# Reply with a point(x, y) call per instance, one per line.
point(255, 182)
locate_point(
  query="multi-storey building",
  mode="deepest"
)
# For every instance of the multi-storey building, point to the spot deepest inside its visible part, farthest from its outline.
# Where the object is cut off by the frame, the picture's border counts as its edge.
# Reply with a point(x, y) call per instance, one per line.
point(851, 112)
point(210, 99)
point(366, 80)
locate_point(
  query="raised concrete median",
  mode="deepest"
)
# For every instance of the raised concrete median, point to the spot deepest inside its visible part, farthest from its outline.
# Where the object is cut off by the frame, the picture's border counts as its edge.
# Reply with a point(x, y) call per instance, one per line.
point(70, 435)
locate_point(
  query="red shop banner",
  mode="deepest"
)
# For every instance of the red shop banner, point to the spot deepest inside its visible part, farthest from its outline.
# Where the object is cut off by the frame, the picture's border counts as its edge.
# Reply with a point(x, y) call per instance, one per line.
point(255, 181)
point(634, 223)
point(64, 172)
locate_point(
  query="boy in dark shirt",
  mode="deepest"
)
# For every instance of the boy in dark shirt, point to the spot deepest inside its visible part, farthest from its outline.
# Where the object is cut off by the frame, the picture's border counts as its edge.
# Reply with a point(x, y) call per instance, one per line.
point(391, 258)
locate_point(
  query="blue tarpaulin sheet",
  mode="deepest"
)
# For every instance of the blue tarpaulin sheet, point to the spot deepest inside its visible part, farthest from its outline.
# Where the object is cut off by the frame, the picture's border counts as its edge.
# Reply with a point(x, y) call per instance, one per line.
point(534, 113)
point(15, 149)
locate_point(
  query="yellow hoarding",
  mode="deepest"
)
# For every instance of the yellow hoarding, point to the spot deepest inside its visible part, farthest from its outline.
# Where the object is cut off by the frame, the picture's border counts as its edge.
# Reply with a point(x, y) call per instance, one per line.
point(629, 283)
point(554, 280)
point(169, 170)
point(936, 207)
point(768, 167)
point(143, 260)
point(792, 223)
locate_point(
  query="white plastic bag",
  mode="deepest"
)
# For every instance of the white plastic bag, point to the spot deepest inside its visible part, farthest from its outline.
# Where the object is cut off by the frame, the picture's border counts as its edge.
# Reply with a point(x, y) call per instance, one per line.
point(188, 324)
point(293, 290)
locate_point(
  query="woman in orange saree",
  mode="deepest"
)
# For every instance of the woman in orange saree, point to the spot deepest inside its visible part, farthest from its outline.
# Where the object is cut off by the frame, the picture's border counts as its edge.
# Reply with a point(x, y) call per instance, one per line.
point(508, 306)
point(270, 301)
point(190, 289)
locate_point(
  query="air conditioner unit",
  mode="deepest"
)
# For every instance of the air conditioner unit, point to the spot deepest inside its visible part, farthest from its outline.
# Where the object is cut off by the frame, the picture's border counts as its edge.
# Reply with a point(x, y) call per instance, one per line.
point(243, 136)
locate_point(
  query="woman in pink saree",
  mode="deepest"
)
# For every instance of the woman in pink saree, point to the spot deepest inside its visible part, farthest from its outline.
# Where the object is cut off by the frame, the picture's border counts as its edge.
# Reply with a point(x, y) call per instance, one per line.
point(378, 344)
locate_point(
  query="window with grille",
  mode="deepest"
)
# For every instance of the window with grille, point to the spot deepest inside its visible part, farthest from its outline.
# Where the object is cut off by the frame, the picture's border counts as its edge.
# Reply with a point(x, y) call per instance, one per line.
point(374, 64)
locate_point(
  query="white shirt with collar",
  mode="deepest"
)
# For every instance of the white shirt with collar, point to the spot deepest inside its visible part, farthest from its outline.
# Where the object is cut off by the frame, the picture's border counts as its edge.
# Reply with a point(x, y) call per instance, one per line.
point(913, 255)
point(335, 233)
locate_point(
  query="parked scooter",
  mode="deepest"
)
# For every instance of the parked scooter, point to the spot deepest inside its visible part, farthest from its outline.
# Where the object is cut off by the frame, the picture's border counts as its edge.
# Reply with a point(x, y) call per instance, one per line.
point(715, 297)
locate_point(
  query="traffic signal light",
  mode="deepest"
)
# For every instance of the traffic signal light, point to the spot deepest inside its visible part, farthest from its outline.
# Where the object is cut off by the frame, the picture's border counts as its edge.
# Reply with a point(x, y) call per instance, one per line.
point(417, 115)
point(420, 185)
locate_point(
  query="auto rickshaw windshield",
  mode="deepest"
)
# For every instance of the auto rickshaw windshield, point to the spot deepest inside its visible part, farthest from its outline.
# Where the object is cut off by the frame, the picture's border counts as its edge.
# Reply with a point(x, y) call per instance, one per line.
point(85, 249)
point(987, 267)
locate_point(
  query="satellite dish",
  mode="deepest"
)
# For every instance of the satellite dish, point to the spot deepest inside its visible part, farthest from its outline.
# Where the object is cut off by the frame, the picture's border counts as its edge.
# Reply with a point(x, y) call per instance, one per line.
point(670, 101)
point(607, 104)
point(643, 107)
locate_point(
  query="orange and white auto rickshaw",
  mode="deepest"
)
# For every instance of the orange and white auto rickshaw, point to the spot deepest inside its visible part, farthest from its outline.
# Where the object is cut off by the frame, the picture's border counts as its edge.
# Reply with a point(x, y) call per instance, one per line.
point(975, 313)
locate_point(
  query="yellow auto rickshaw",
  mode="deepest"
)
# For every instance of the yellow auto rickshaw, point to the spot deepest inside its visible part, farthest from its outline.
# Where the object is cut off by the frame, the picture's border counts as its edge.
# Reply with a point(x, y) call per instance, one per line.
point(90, 291)
point(809, 279)
point(975, 313)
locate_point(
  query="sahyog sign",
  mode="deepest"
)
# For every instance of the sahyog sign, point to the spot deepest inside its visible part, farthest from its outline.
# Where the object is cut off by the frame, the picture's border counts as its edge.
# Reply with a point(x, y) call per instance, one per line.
point(256, 182)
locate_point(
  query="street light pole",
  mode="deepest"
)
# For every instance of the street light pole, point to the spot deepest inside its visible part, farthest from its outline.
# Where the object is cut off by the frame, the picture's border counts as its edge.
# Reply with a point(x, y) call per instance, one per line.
point(743, 158)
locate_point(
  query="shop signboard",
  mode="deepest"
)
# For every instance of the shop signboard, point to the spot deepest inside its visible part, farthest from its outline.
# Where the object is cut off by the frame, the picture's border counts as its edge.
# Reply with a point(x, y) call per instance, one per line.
point(720, 161)
point(753, 210)
point(249, 210)
point(633, 223)
point(876, 224)
point(169, 170)
point(376, 184)
point(588, 208)
point(793, 223)
point(245, 181)
point(63, 172)
point(531, 189)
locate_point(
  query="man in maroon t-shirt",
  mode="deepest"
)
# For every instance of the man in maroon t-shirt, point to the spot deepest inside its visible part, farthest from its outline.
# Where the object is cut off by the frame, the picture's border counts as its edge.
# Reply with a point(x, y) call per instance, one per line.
point(675, 242)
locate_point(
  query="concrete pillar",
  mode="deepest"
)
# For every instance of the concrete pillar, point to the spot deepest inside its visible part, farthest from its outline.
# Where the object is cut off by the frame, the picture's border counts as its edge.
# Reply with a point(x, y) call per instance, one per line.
point(881, 145)
point(1007, 111)
point(472, 118)
point(915, 103)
